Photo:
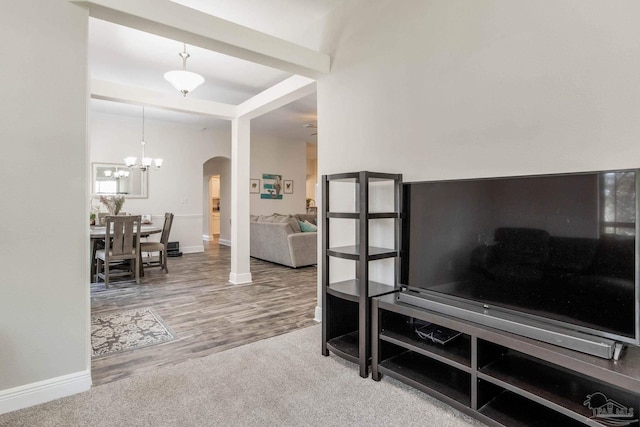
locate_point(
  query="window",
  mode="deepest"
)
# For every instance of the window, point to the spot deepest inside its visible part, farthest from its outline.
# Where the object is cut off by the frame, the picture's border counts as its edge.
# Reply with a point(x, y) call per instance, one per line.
point(618, 203)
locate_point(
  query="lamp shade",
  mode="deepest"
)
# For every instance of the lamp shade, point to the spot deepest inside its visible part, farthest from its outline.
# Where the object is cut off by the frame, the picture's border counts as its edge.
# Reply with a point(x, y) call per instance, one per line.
point(184, 81)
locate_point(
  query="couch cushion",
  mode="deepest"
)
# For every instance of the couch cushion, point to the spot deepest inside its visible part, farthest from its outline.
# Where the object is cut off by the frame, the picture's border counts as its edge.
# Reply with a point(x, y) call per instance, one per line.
point(307, 217)
point(306, 226)
point(293, 223)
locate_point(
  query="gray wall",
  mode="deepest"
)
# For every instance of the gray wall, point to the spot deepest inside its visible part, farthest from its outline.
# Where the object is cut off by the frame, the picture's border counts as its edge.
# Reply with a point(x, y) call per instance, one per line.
point(454, 89)
point(44, 307)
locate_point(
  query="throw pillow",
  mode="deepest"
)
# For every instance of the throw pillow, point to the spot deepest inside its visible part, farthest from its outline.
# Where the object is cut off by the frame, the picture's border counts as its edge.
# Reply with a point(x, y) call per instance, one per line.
point(306, 226)
point(293, 223)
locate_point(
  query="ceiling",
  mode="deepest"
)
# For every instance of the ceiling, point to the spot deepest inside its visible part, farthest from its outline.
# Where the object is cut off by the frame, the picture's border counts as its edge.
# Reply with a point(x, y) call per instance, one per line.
point(135, 58)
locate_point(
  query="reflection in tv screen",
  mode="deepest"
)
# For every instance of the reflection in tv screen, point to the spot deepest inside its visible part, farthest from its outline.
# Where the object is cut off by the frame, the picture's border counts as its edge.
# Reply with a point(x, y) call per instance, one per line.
point(557, 247)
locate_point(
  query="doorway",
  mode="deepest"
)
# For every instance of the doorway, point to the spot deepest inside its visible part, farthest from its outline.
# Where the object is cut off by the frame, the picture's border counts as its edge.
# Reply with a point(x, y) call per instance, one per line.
point(216, 202)
point(214, 208)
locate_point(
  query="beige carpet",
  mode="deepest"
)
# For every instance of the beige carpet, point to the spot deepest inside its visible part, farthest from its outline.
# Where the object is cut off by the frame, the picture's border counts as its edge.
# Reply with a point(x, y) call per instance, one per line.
point(280, 381)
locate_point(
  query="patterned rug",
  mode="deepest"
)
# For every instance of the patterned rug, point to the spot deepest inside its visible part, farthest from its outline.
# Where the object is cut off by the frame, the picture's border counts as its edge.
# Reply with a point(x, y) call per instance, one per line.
point(127, 330)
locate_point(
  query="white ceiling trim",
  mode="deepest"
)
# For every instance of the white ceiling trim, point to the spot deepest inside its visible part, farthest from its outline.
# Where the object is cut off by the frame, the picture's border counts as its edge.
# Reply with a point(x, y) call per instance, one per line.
point(177, 22)
point(117, 92)
point(283, 93)
point(279, 95)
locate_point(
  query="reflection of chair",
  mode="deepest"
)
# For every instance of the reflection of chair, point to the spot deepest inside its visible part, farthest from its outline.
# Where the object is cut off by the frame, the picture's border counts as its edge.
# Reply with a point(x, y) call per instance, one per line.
point(161, 246)
point(122, 240)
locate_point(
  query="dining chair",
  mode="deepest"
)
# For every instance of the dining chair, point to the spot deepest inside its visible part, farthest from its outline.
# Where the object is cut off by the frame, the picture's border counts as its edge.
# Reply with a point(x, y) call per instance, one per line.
point(160, 247)
point(101, 218)
point(122, 243)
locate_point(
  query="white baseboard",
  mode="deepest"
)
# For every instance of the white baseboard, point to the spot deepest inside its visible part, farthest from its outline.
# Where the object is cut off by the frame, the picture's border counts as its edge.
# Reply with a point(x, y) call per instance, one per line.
point(318, 316)
point(192, 249)
point(224, 242)
point(238, 279)
point(207, 238)
point(44, 391)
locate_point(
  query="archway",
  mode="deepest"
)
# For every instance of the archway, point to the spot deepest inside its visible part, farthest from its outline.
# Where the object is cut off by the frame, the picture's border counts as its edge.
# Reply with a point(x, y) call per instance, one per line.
point(216, 204)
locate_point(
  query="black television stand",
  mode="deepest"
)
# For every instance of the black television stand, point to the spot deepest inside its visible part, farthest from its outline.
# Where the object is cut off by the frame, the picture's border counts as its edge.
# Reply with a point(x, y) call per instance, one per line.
point(501, 378)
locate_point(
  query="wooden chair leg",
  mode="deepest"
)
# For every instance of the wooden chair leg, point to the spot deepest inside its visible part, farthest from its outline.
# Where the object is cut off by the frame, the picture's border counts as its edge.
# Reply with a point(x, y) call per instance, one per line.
point(98, 262)
point(106, 274)
point(165, 264)
point(137, 267)
point(140, 269)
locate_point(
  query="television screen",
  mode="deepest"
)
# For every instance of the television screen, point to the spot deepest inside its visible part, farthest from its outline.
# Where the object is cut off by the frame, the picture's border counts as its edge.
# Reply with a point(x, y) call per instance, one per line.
point(561, 248)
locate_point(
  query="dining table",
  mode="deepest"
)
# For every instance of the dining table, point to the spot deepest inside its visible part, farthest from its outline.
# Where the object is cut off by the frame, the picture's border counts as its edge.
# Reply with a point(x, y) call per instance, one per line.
point(98, 233)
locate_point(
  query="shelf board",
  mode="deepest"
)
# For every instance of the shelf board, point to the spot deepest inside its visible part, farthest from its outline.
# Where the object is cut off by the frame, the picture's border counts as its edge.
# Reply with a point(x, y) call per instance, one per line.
point(343, 176)
point(511, 410)
point(430, 376)
point(370, 215)
point(345, 346)
point(456, 353)
point(349, 289)
point(558, 389)
point(353, 252)
point(372, 176)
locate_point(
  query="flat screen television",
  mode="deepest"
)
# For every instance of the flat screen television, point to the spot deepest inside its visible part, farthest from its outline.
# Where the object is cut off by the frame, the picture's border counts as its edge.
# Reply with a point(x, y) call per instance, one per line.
point(552, 257)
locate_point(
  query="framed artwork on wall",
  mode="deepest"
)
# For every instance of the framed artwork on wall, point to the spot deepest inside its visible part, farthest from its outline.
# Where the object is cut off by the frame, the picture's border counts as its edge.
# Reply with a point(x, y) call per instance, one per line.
point(288, 186)
point(271, 186)
point(254, 186)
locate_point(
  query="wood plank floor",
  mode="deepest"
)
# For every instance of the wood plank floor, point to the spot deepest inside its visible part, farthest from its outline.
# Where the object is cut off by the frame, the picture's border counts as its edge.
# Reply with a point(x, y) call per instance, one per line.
point(207, 313)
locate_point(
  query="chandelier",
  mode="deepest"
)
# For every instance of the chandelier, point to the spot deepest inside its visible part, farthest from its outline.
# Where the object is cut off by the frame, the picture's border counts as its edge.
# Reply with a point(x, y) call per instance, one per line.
point(117, 174)
point(146, 162)
point(183, 80)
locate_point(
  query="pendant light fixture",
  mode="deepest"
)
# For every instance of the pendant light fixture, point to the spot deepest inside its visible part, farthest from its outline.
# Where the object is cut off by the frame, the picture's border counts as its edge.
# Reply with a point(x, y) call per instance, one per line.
point(183, 80)
point(146, 162)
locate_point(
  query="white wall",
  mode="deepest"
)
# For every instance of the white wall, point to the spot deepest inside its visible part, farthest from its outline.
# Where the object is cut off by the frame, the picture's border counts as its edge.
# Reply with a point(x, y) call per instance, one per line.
point(178, 186)
point(286, 158)
point(457, 88)
point(44, 302)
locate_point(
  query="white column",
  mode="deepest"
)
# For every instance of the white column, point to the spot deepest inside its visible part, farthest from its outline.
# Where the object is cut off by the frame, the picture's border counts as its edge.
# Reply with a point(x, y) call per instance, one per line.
point(240, 202)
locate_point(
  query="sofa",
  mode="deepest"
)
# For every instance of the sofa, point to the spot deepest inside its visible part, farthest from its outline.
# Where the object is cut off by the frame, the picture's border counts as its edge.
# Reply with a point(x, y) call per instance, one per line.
point(279, 239)
point(569, 274)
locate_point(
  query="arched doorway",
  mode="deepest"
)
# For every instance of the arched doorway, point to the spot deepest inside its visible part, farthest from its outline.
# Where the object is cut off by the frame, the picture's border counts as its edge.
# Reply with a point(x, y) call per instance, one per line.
point(216, 200)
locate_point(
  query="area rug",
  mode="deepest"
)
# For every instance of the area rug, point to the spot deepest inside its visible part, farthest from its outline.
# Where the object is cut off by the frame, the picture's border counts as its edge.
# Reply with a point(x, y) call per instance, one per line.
point(127, 330)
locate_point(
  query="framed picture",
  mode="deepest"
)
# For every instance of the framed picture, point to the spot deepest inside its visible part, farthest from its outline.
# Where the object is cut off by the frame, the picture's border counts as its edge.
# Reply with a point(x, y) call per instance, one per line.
point(288, 186)
point(254, 186)
point(271, 186)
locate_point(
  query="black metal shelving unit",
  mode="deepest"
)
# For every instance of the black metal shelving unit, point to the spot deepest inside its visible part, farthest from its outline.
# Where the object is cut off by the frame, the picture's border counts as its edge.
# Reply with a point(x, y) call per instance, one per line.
point(346, 304)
